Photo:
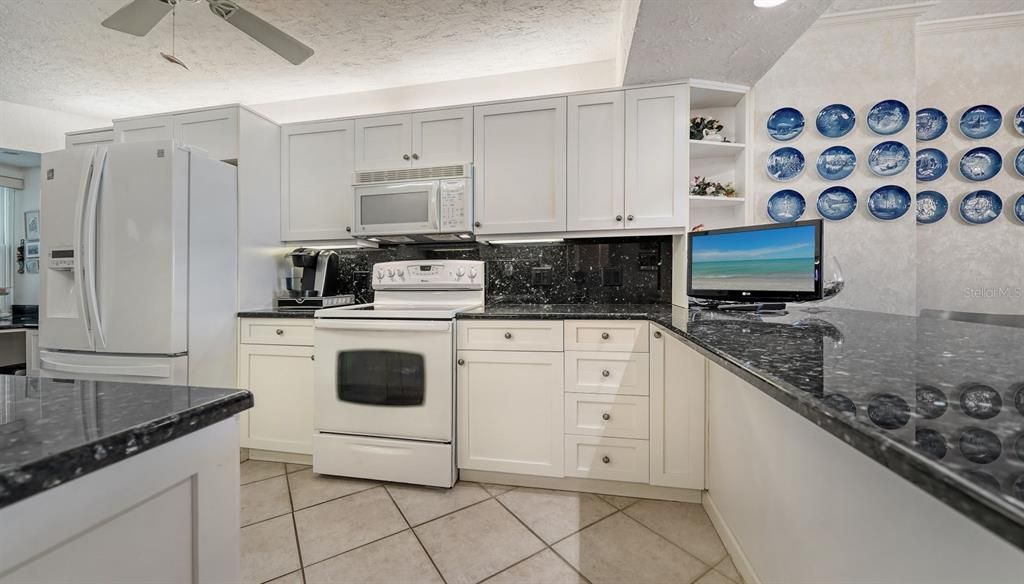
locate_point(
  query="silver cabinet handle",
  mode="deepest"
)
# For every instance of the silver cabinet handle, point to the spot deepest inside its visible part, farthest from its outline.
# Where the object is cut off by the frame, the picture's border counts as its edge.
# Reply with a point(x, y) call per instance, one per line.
point(606, 416)
point(349, 229)
point(312, 357)
point(605, 336)
point(279, 332)
point(476, 224)
point(618, 217)
point(461, 361)
point(415, 156)
point(508, 335)
point(405, 157)
point(657, 334)
point(605, 459)
point(605, 373)
point(629, 217)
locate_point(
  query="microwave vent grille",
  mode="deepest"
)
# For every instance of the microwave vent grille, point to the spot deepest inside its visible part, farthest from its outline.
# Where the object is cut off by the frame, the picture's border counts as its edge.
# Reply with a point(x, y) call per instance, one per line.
point(366, 177)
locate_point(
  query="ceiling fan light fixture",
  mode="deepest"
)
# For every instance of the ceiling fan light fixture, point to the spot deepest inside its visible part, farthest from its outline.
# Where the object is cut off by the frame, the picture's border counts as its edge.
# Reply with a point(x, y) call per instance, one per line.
point(768, 3)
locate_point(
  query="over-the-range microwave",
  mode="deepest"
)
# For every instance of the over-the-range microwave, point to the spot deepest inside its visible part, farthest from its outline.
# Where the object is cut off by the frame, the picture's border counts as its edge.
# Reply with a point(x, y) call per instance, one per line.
point(410, 205)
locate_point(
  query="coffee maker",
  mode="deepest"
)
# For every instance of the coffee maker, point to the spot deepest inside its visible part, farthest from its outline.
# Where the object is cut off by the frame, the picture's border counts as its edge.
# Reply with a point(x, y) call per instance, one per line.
point(313, 283)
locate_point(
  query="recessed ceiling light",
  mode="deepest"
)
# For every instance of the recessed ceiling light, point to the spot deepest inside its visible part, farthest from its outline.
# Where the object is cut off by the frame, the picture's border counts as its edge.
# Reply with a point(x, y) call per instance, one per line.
point(768, 3)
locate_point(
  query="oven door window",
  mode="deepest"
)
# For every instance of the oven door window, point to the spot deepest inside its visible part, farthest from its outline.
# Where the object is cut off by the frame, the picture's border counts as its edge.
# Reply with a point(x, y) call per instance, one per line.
point(386, 378)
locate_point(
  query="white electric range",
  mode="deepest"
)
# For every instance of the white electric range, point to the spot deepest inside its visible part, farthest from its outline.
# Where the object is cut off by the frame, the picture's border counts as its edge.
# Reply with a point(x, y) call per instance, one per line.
point(384, 374)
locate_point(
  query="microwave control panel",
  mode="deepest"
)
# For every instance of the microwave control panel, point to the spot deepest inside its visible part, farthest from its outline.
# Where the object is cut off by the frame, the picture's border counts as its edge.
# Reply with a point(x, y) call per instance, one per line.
point(456, 205)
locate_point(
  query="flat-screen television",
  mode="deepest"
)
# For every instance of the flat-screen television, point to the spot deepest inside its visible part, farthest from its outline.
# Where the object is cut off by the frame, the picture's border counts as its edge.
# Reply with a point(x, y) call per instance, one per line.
point(760, 263)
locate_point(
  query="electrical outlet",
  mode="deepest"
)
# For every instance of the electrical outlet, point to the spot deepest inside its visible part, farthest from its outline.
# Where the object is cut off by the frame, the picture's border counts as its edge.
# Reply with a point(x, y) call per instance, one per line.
point(542, 276)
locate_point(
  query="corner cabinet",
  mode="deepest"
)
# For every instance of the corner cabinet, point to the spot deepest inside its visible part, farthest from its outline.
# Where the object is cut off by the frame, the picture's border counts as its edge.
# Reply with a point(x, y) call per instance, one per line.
point(430, 138)
point(316, 181)
point(657, 157)
point(275, 363)
point(519, 175)
point(678, 376)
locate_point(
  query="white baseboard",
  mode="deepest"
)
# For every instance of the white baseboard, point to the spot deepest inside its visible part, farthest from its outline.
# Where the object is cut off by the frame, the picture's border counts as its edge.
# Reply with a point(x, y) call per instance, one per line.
point(602, 487)
point(732, 545)
point(274, 456)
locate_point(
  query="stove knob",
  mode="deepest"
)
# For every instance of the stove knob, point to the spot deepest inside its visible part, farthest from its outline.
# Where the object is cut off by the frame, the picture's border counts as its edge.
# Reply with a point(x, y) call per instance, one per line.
point(472, 273)
point(459, 273)
point(380, 274)
point(391, 273)
point(401, 273)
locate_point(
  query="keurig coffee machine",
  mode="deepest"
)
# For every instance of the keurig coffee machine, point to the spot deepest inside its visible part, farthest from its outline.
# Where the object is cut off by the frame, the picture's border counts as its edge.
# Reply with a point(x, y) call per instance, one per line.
point(314, 281)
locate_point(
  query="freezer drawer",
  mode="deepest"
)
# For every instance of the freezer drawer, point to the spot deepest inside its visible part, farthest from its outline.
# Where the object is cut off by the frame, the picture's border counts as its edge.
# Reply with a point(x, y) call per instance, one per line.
point(101, 367)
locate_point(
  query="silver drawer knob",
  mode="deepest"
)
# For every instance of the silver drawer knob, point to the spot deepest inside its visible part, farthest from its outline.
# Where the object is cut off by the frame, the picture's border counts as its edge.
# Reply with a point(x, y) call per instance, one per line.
point(312, 357)
point(606, 416)
point(629, 217)
point(508, 335)
point(405, 157)
point(605, 459)
point(618, 217)
point(415, 156)
point(279, 332)
point(605, 373)
point(605, 336)
point(657, 334)
point(461, 361)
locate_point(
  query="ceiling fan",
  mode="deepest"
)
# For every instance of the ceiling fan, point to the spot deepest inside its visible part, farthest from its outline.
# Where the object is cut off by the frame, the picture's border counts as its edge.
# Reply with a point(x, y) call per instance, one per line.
point(140, 16)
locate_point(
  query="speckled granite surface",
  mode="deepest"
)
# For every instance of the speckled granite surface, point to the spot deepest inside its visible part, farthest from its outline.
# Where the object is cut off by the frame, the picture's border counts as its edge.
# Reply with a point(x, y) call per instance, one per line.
point(52, 431)
point(940, 403)
point(271, 313)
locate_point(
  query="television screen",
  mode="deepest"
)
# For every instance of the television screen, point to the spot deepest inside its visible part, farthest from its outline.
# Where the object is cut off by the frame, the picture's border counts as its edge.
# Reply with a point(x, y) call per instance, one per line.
point(764, 262)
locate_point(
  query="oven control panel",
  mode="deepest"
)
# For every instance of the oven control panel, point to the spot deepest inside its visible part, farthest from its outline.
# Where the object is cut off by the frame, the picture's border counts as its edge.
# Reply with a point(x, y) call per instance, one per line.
point(429, 274)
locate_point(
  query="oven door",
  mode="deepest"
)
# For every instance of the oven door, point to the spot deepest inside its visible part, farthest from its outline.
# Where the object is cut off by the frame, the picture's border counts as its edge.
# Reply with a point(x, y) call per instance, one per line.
point(390, 378)
point(397, 209)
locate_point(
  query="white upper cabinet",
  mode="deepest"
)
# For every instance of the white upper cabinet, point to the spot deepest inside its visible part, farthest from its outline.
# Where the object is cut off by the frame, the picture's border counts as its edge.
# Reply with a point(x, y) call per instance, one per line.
point(595, 189)
point(215, 131)
point(657, 157)
point(89, 138)
point(409, 140)
point(316, 180)
point(519, 174)
point(144, 129)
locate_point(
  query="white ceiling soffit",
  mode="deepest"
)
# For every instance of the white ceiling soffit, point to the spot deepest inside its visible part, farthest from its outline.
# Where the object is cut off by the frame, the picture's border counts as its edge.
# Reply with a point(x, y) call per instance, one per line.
point(57, 56)
point(942, 10)
point(718, 40)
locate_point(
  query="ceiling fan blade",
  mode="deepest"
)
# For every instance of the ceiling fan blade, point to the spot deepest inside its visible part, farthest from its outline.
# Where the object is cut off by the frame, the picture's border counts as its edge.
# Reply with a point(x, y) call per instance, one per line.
point(138, 17)
point(262, 31)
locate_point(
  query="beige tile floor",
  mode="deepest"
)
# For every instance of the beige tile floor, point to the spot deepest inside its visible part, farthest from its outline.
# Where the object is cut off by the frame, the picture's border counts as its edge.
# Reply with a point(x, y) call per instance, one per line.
point(299, 527)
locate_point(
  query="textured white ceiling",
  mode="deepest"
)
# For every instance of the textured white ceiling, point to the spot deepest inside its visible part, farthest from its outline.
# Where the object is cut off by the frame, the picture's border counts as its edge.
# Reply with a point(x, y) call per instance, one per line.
point(718, 40)
point(54, 53)
point(943, 10)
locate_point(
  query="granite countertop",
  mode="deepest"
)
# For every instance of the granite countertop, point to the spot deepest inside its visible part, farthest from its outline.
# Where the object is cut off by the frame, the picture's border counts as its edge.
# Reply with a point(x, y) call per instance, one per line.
point(54, 431)
point(941, 403)
point(18, 322)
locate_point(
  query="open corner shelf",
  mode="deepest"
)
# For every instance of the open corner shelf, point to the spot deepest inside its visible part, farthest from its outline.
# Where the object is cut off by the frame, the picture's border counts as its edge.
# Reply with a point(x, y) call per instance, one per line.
point(708, 202)
point(708, 149)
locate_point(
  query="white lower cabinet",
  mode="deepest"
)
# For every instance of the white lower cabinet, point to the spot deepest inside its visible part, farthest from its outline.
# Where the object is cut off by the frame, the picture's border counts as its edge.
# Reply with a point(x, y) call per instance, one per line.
point(613, 459)
point(678, 375)
point(510, 411)
point(280, 378)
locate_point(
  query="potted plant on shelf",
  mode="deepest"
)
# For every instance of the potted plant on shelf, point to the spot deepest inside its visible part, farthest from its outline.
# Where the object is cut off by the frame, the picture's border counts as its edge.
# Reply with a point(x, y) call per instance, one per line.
point(702, 128)
point(702, 187)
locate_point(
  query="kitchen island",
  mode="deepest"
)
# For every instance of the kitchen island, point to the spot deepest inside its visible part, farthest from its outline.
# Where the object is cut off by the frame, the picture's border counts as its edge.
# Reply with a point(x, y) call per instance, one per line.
point(110, 482)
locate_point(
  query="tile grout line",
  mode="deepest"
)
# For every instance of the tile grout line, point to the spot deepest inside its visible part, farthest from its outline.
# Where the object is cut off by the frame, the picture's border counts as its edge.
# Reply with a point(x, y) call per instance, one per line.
point(416, 535)
point(722, 561)
point(543, 541)
point(295, 526)
point(334, 498)
point(674, 544)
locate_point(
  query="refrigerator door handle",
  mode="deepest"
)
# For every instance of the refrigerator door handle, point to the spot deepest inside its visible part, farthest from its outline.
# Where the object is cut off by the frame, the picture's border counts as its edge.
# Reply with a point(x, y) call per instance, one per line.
point(151, 370)
point(93, 201)
point(88, 173)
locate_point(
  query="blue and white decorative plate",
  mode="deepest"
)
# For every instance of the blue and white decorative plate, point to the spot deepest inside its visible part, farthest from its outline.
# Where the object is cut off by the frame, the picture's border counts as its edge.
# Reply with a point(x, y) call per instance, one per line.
point(889, 202)
point(836, 203)
point(980, 121)
point(981, 207)
point(786, 163)
point(1018, 121)
point(931, 164)
point(785, 124)
point(835, 121)
point(836, 163)
point(888, 117)
point(981, 163)
point(931, 207)
point(931, 123)
point(889, 158)
point(786, 206)
point(1018, 208)
point(1018, 162)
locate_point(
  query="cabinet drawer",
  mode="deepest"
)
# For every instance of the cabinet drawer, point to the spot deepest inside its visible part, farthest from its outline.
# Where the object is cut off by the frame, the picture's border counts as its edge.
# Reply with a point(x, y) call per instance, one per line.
point(613, 459)
point(612, 416)
point(606, 335)
point(510, 335)
point(277, 331)
point(596, 372)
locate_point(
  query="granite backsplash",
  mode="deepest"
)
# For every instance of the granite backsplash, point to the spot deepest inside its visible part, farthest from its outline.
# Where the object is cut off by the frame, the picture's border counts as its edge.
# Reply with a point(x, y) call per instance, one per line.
point(610, 270)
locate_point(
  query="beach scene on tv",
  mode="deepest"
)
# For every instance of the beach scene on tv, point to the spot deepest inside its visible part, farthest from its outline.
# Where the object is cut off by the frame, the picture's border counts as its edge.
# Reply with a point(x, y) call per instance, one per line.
point(772, 260)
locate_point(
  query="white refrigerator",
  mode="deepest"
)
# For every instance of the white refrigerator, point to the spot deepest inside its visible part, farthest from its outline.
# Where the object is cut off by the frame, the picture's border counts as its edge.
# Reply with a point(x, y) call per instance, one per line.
point(138, 265)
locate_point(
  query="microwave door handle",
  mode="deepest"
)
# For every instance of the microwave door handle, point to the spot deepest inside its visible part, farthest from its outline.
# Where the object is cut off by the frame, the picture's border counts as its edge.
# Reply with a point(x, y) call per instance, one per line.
point(90, 228)
point(85, 188)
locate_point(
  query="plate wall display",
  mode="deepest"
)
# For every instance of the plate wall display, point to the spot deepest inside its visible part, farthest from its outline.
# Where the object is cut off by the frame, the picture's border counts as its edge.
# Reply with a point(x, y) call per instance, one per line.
point(980, 121)
point(981, 163)
point(836, 203)
point(931, 123)
point(1018, 121)
point(836, 163)
point(1018, 162)
point(980, 207)
point(889, 158)
point(889, 202)
point(786, 206)
point(835, 121)
point(932, 206)
point(786, 163)
point(931, 164)
point(1018, 210)
point(785, 124)
point(888, 117)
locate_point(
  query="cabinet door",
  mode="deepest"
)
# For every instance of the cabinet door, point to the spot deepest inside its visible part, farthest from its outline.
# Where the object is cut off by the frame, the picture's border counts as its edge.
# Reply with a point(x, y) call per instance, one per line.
point(316, 181)
point(519, 175)
point(94, 138)
point(595, 163)
point(144, 129)
point(657, 157)
point(215, 131)
point(384, 142)
point(510, 412)
point(281, 381)
point(442, 137)
point(677, 413)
